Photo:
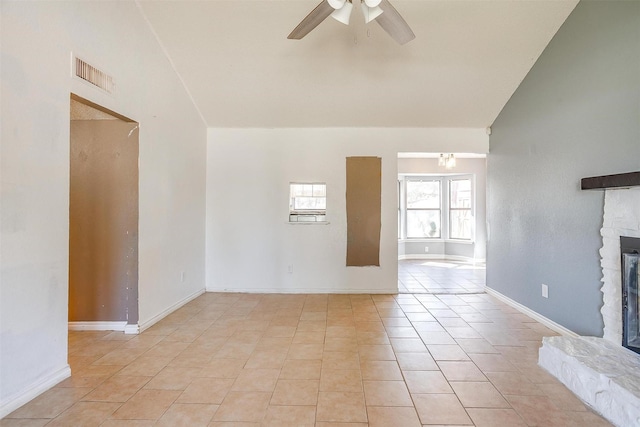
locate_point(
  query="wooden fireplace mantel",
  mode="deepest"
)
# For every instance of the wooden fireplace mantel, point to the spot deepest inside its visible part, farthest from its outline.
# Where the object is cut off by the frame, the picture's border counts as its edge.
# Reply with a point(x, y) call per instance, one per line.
point(621, 180)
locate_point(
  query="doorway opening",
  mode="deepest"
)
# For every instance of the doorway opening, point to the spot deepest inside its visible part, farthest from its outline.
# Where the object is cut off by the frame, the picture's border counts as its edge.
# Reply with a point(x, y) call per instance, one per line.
point(103, 219)
point(441, 223)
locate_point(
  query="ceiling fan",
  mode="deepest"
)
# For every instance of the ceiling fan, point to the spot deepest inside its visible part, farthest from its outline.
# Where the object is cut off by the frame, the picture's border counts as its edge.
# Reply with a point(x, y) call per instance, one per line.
point(379, 10)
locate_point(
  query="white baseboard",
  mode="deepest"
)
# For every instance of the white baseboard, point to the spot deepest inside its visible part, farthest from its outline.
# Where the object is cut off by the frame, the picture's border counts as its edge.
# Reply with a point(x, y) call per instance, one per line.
point(128, 329)
point(304, 291)
point(534, 315)
point(98, 326)
point(441, 257)
point(155, 319)
point(34, 390)
point(131, 329)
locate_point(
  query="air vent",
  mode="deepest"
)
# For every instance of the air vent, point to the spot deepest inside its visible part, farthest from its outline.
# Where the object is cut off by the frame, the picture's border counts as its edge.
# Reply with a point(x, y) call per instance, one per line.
point(96, 77)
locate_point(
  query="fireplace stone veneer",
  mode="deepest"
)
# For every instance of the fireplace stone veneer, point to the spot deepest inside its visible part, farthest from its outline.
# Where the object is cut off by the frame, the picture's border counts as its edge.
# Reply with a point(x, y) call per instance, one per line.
point(600, 371)
point(604, 375)
point(621, 218)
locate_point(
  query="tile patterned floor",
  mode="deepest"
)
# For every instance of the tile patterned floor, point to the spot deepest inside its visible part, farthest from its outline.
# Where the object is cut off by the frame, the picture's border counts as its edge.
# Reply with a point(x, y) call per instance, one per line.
point(440, 277)
point(314, 360)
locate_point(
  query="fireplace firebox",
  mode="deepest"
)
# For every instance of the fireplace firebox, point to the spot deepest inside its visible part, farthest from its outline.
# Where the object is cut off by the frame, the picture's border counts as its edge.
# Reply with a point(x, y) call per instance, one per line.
point(630, 254)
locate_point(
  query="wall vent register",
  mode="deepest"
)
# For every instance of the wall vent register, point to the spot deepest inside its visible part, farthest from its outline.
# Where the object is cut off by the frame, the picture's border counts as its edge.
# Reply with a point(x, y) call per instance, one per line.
point(93, 75)
point(307, 202)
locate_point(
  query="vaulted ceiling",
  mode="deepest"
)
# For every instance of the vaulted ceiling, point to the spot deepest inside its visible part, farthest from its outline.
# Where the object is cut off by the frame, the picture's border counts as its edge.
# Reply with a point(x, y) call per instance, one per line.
point(466, 61)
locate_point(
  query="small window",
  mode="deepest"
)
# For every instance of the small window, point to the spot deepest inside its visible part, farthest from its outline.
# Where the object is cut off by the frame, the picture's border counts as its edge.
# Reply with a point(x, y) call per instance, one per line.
point(307, 202)
point(399, 209)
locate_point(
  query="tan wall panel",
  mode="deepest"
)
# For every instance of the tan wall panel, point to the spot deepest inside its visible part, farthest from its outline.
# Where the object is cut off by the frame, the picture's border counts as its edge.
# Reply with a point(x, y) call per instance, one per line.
point(364, 178)
point(103, 221)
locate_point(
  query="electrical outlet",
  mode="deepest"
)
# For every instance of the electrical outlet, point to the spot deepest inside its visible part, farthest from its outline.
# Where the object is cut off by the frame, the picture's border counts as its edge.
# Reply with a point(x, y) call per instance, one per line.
point(182, 276)
point(426, 249)
point(545, 291)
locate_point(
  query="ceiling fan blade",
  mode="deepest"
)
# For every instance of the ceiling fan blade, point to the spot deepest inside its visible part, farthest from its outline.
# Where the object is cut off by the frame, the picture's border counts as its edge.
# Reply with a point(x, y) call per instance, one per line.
point(312, 20)
point(394, 24)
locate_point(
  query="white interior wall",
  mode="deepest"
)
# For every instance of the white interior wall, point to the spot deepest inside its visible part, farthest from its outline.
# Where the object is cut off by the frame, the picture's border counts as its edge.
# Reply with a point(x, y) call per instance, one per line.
point(250, 245)
point(36, 42)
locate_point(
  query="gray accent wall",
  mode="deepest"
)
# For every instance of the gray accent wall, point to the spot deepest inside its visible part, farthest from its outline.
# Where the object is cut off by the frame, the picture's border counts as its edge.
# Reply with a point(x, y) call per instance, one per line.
point(576, 114)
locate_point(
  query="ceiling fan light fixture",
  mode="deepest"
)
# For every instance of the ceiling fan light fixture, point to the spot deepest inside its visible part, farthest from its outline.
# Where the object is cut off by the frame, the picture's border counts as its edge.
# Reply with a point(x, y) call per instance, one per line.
point(379, 10)
point(372, 3)
point(336, 4)
point(370, 13)
point(344, 13)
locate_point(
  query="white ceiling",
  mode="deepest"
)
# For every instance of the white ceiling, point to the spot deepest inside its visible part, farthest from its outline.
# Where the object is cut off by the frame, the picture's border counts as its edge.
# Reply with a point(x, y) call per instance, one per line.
point(467, 59)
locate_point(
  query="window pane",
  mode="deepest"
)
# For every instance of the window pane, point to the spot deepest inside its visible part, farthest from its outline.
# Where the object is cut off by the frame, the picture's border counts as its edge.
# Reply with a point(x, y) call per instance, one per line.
point(422, 223)
point(319, 190)
point(399, 210)
point(460, 224)
point(308, 197)
point(423, 194)
point(460, 193)
point(313, 203)
point(297, 190)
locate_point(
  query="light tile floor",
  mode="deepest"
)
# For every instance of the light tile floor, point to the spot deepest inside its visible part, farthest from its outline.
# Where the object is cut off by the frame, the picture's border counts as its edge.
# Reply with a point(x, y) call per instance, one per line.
point(440, 276)
point(314, 360)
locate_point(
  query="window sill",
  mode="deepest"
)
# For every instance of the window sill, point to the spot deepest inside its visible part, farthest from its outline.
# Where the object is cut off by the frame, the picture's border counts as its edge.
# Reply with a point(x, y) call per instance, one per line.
point(422, 240)
point(464, 242)
point(309, 223)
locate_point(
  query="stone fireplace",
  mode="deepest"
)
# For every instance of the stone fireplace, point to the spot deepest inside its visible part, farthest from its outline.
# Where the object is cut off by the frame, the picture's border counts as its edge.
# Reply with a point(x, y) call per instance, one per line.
point(621, 218)
point(600, 371)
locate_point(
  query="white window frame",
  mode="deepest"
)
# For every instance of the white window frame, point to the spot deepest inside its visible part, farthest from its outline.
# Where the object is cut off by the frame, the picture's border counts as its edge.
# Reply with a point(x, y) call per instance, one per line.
point(407, 209)
point(307, 216)
point(445, 211)
point(452, 209)
point(400, 202)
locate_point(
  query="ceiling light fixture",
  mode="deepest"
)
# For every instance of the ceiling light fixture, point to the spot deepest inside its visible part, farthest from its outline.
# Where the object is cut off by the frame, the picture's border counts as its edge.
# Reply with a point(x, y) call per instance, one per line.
point(380, 11)
point(370, 8)
point(447, 160)
point(342, 11)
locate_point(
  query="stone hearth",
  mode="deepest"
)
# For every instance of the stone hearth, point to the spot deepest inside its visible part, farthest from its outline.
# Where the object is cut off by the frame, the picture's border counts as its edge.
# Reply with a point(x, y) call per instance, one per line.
point(604, 375)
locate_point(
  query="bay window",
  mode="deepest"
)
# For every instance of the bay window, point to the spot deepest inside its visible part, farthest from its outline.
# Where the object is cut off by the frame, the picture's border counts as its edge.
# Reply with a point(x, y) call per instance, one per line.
point(435, 207)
